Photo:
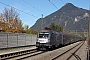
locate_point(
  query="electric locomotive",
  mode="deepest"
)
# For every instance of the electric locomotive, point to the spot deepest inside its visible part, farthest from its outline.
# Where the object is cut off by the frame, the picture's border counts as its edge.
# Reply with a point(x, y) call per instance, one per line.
point(48, 38)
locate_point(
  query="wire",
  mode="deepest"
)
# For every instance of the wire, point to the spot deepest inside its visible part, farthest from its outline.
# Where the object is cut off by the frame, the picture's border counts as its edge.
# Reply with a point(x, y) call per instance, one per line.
point(53, 4)
point(32, 6)
point(18, 10)
point(62, 1)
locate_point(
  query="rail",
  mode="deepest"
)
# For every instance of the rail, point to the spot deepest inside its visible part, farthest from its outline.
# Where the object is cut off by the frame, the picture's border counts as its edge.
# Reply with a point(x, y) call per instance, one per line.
point(68, 51)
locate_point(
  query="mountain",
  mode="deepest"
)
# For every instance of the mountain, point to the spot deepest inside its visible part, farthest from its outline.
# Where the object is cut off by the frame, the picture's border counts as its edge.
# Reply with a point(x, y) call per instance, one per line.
point(68, 16)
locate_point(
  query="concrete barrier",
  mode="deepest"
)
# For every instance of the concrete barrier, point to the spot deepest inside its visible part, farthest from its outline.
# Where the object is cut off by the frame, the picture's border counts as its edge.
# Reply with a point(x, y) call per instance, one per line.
point(8, 40)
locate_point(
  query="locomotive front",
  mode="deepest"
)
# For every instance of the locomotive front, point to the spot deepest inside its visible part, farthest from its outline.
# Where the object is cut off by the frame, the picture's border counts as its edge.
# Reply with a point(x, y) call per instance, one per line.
point(43, 40)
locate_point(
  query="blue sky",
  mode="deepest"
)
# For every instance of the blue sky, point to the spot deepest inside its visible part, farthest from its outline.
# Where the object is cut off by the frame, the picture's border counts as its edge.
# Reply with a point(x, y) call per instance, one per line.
point(39, 7)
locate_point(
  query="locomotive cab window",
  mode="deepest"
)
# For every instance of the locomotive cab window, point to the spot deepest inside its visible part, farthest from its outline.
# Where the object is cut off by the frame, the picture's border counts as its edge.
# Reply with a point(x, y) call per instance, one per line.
point(43, 35)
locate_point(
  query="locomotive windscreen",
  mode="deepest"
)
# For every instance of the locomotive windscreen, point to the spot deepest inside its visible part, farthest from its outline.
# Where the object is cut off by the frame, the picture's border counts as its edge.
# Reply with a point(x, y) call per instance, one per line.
point(43, 35)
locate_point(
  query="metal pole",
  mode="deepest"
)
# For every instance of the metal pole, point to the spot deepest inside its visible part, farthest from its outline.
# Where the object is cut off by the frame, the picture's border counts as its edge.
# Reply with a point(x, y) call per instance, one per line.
point(89, 26)
point(89, 34)
point(42, 22)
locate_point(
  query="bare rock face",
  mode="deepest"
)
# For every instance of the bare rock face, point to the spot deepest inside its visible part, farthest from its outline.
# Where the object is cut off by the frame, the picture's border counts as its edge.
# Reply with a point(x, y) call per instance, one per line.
point(68, 16)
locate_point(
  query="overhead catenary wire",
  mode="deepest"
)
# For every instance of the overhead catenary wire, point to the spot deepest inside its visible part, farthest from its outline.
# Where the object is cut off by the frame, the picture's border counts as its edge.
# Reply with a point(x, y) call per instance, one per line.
point(53, 4)
point(19, 10)
point(62, 1)
point(33, 7)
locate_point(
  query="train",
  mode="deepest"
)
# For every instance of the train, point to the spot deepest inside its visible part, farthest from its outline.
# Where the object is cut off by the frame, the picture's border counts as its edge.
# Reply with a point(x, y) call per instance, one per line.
point(49, 39)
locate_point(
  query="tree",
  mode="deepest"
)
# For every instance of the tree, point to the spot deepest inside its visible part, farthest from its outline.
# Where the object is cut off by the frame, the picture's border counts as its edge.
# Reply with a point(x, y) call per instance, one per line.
point(20, 26)
point(12, 22)
point(56, 27)
point(30, 31)
point(27, 29)
point(33, 31)
point(52, 26)
point(59, 28)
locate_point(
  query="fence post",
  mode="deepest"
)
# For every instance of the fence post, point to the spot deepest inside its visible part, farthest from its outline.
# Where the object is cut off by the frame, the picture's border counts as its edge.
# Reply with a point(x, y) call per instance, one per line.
point(25, 39)
point(7, 40)
point(17, 39)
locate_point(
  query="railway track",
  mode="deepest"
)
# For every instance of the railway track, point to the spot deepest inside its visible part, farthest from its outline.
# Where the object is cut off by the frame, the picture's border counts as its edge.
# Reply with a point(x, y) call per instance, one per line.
point(13, 55)
point(34, 53)
point(56, 54)
point(67, 55)
point(30, 55)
